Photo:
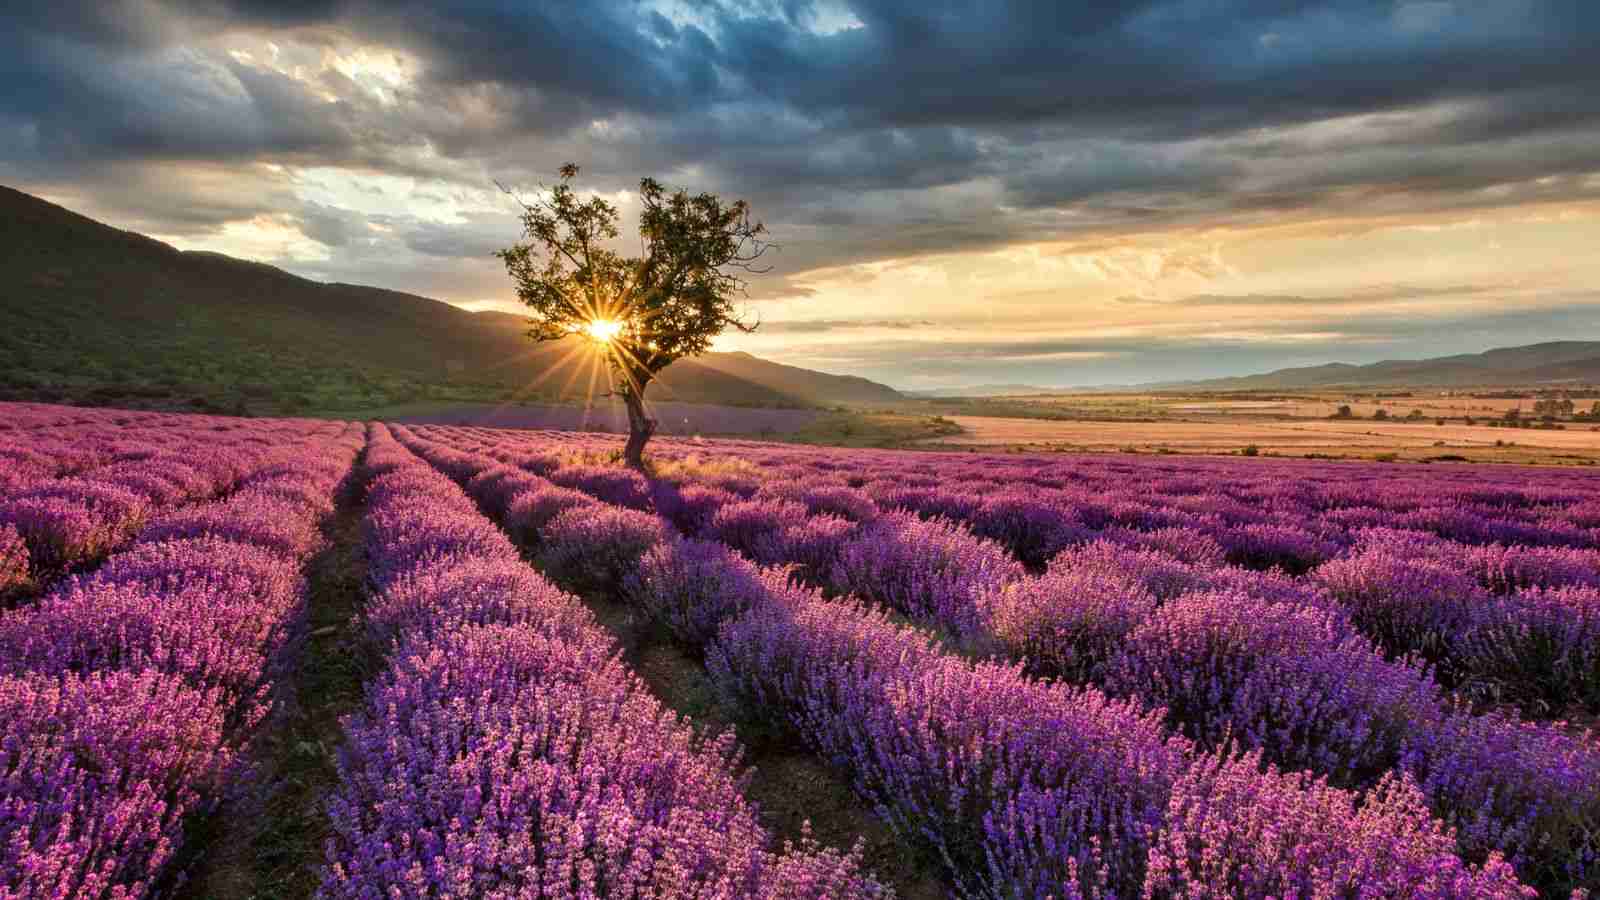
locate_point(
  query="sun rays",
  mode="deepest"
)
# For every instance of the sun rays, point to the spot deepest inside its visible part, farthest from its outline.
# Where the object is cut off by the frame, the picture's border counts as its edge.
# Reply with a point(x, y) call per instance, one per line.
point(603, 331)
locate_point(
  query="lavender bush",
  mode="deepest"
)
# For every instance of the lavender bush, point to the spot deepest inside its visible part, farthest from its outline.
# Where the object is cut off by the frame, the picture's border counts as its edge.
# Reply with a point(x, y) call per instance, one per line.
point(931, 570)
point(1234, 831)
point(1023, 788)
point(529, 513)
point(97, 774)
point(595, 549)
point(13, 559)
point(1069, 622)
point(693, 586)
point(1290, 680)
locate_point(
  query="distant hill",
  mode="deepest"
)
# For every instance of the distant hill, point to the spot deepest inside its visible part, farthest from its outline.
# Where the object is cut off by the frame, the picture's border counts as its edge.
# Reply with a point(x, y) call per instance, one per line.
point(985, 390)
point(91, 313)
point(1550, 364)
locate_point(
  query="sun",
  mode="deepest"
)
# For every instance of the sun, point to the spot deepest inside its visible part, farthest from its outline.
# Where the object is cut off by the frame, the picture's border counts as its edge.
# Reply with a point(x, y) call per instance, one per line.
point(603, 330)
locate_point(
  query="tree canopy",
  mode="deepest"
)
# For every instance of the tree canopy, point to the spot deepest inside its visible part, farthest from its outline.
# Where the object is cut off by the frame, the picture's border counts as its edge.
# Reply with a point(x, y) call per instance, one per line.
point(642, 312)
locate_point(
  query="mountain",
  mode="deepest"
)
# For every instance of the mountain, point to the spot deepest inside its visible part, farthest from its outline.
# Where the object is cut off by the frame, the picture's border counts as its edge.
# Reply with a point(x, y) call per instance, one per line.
point(848, 390)
point(1551, 364)
point(91, 313)
point(985, 390)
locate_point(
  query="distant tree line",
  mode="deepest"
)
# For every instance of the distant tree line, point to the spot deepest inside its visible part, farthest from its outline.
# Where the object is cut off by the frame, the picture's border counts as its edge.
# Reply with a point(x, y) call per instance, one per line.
point(1546, 414)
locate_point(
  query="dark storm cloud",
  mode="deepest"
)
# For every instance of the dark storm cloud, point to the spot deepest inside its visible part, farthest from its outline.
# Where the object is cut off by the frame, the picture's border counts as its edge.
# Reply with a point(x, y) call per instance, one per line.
point(1113, 68)
point(871, 128)
point(476, 238)
point(101, 101)
point(330, 227)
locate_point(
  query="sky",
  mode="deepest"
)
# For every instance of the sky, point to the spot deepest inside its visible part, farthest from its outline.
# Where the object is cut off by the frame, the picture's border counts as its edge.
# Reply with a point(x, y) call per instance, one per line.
point(1035, 192)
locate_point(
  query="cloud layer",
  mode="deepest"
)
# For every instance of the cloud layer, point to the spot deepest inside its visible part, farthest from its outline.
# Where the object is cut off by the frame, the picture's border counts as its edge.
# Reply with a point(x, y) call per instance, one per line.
point(1138, 144)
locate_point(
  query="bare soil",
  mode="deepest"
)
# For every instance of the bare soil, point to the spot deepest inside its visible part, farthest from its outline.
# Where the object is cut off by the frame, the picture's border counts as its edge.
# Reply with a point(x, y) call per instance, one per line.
point(267, 842)
point(1352, 438)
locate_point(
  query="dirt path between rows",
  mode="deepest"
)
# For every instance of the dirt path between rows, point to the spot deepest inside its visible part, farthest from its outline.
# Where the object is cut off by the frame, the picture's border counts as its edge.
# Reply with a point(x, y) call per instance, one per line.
point(267, 841)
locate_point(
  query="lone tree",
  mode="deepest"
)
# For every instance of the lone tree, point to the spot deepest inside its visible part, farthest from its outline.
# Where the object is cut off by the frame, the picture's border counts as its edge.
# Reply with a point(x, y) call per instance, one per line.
point(643, 312)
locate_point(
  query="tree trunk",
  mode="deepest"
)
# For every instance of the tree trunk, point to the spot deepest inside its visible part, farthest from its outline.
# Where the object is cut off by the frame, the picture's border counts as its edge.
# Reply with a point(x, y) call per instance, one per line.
point(640, 428)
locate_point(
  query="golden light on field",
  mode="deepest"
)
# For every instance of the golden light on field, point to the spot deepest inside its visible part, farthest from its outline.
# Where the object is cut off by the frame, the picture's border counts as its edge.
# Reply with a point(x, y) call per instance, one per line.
point(603, 331)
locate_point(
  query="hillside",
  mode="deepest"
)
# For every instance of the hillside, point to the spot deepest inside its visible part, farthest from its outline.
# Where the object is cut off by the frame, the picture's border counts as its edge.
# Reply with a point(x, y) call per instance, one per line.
point(1551, 363)
point(984, 390)
point(91, 313)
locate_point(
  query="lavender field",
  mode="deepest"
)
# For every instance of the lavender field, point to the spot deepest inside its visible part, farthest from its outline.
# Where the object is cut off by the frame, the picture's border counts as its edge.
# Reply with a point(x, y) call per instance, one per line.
point(1039, 676)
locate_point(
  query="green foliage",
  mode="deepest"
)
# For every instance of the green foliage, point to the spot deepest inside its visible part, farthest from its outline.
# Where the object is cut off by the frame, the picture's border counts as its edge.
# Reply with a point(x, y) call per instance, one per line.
point(668, 303)
point(871, 429)
point(94, 315)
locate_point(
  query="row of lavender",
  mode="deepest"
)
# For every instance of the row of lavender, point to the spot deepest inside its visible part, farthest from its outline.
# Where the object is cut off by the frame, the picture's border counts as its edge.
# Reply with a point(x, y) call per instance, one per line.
point(1430, 565)
point(1258, 512)
point(1521, 622)
point(507, 751)
point(39, 442)
point(128, 693)
point(1026, 788)
point(1219, 660)
point(72, 494)
point(1513, 621)
point(1262, 659)
point(1477, 504)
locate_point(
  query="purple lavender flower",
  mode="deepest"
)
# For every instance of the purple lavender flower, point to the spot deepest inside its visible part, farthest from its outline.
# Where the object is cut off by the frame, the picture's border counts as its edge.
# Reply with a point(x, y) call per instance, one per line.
point(1293, 681)
point(811, 545)
point(496, 759)
point(1529, 791)
point(1154, 571)
point(608, 484)
point(752, 526)
point(1503, 570)
point(261, 520)
point(529, 513)
point(1264, 546)
point(1407, 604)
point(1023, 788)
point(595, 549)
point(74, 519)
point(824, 499)
point(1032, 528)
point(693, 586)
point(1543, 644)
point(1070, 621)
point(13, 559)
point(1187, 545)
point(930, 570)
point(98, 774)
point(1235, 831)
point(690, 507)
point(470, 590)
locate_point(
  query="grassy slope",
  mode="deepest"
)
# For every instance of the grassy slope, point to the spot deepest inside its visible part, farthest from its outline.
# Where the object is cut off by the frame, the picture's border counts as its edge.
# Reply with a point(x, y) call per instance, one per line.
point(89, 313)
